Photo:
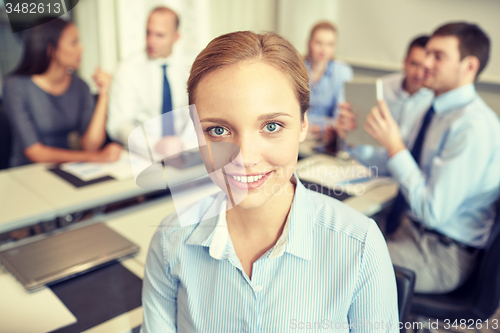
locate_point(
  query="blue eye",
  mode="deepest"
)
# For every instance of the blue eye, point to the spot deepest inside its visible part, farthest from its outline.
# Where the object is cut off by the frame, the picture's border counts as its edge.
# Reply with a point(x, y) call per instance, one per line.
point(272, 127)
point(217, 131)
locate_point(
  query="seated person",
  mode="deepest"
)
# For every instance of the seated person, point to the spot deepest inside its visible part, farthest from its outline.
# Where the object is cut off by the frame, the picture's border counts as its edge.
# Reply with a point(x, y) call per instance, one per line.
point(404, 92)
point(152, 83)
point(326, 75)
point(449, 176)
point(405, 96)
point(46, 101)
point(305, 258)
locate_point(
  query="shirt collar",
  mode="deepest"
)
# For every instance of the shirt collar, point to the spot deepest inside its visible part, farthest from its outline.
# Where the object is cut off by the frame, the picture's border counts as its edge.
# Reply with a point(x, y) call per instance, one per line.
point(296, 238)
point(397, 85)
point(328, 70)
point(455, 98)
point(401, 92)
point(161, 61)
point(210, 222)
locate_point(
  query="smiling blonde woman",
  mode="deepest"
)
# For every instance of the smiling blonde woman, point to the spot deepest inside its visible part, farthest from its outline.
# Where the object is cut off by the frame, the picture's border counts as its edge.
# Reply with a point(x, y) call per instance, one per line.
point(284, 257)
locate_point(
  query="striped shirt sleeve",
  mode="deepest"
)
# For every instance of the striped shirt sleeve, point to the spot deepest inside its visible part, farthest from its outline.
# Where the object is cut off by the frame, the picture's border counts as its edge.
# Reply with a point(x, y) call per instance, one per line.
point(159, 290)
point(375, 291)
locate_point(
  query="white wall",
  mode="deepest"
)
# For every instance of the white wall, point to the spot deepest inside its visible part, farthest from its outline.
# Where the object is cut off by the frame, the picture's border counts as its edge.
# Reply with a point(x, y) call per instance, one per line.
point(297, 17)
point(85, 17)
point(132, 17)
point(372, 34)
point(376, 33)
point(236, 15)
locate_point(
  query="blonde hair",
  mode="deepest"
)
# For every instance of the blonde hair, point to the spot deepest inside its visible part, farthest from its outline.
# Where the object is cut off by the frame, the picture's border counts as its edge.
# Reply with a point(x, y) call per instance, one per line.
point(269, 48)
point(323, 25)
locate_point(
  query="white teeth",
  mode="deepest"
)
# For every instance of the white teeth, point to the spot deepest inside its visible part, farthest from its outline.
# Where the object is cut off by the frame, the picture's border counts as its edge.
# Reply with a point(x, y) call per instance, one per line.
point(249, 179)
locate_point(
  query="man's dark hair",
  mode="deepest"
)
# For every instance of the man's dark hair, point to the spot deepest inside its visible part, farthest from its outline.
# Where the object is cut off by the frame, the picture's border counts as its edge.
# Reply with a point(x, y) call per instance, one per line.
point(472, 41)
point(419, 41)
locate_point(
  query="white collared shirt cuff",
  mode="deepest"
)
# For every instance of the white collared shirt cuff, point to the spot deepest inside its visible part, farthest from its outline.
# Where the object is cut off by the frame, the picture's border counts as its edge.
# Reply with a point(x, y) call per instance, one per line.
point(402, 166)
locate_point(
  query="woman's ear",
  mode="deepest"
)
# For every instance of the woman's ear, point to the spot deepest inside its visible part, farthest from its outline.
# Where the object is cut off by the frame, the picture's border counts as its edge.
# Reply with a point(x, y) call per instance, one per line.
point(304, 128)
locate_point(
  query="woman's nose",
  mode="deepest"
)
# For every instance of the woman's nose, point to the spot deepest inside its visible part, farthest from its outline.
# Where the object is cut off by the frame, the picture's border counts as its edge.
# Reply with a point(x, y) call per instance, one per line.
point(249, 148)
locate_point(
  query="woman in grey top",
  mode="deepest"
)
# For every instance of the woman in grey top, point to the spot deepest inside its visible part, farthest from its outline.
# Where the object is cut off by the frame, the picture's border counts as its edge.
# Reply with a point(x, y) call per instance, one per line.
point(46, 101)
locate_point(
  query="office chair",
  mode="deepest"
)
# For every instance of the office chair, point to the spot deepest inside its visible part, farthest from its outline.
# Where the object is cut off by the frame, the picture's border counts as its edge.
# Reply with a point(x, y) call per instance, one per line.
point(478, 298)
point(5, 138)
point(405, 281)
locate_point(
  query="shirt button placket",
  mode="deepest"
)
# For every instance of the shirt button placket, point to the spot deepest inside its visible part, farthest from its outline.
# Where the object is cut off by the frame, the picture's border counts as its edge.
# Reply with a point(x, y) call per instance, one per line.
point(257, 288)
point(258, 311)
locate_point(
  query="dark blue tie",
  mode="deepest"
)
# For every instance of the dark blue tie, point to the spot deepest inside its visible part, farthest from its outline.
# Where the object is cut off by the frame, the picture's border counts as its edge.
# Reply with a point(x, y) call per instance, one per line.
point(400, 204)
point(168, 117)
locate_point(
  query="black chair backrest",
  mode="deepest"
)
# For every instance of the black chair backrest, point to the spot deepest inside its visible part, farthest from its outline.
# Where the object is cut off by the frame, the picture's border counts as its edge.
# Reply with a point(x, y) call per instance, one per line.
point(487, 283)
point(5, 138)
point(405, 280)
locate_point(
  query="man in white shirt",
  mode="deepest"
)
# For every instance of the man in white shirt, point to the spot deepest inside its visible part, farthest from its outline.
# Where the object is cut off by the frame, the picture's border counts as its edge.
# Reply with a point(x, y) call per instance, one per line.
point(149, 84)
point(449, 173)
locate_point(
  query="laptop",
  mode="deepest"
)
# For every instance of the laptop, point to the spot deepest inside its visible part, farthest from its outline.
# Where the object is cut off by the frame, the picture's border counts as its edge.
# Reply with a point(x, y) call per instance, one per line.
point(66, 254)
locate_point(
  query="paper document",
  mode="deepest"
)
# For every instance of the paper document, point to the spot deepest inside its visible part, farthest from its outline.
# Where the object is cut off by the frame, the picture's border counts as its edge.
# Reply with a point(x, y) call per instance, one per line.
point(120, 170)
point(349, 177)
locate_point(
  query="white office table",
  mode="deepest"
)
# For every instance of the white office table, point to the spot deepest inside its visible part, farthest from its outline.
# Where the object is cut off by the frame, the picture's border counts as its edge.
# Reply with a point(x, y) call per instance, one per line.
point(20, 206)
point(370, 202)
point(141, 222)
point(306, 148)
point(138, 223)
point(63, 198)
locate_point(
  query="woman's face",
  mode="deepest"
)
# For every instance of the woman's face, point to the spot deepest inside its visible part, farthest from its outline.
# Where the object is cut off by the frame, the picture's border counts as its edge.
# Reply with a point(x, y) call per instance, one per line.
point(322, 45)
point(68, 53)
point(253, 106)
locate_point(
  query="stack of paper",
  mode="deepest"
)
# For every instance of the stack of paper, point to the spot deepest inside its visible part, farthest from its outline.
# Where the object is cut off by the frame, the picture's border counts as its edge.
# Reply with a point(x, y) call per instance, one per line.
point(120, 170)
point(341, 176)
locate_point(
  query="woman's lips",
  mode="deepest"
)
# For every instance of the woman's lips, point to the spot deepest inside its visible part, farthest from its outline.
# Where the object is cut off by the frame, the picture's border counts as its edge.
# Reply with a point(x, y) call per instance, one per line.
point(248, 185)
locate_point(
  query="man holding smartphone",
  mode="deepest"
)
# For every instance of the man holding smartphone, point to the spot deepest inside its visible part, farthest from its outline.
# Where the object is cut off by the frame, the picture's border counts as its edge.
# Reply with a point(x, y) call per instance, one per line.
point(449, 175)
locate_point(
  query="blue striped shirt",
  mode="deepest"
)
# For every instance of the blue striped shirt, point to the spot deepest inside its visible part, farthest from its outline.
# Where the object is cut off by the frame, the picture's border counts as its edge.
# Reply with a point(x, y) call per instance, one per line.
point(330, 270)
